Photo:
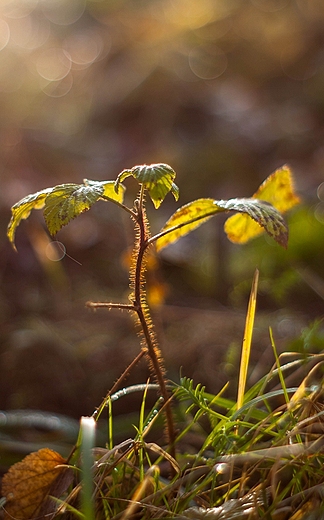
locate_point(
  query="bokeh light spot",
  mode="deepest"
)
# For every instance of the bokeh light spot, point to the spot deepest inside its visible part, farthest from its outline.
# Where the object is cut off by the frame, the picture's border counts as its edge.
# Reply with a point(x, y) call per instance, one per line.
point(29, 33)
point(320, 192)
point(53, 64)
point(18, 8)
point(4, 34)
point(207, 62)
point(83, 48)
point(190, 14)
point(294, 119)
point(295, 62)
point(270, 6)
point(12, 71)
point(319, 212)
point(62, 12)
point(55, 251)
point(58, 88)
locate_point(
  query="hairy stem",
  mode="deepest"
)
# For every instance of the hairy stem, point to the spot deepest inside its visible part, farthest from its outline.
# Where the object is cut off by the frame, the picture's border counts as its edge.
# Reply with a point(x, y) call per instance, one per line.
point(141, 308)
point(109, 305)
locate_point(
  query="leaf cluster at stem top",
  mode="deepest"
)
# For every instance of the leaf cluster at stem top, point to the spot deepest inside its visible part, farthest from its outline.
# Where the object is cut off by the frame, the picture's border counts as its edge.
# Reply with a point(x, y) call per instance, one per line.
point(261, 212)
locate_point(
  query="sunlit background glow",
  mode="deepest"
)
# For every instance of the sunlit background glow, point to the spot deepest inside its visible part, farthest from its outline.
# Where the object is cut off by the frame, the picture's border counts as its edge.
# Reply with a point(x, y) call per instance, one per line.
point(225, 91)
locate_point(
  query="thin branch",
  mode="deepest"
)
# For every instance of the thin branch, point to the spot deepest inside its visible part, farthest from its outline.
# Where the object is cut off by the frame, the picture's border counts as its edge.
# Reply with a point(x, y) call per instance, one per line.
point(96, 414)
point(110, 305)
point(182, 224)
point(120, 204)
point(140, 387)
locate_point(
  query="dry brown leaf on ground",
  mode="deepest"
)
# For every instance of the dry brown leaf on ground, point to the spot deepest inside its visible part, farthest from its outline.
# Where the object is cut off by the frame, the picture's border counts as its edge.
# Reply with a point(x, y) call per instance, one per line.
point(29, 485)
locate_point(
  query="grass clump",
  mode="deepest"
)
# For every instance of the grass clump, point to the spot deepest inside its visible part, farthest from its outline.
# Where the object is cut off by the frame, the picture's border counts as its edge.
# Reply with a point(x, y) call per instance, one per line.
point(262, 460)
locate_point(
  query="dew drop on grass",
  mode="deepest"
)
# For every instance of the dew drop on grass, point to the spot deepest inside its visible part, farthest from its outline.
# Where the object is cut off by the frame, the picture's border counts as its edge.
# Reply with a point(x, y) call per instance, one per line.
point(221, 468)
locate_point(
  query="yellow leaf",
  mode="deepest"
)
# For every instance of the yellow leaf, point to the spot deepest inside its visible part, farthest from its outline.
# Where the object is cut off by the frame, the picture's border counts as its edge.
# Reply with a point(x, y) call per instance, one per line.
point(28, 484)
point(189, 217)
point(186, 219)
point(278, 190)
point(63, 203)
point(21, 210)
point(108, 188)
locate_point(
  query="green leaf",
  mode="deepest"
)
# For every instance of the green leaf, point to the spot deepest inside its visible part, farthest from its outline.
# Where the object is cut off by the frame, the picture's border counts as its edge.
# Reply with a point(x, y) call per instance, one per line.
point(67, 201)
point(156, 178)
point(108, 189)
point(192, 215)
point(21, 210)
point(63, 203)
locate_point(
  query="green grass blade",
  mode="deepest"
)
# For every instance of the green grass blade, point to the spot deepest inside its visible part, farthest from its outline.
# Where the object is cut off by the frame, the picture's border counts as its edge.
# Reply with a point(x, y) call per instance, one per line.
point(110, 424)
point(88, 428)
point(281, 377)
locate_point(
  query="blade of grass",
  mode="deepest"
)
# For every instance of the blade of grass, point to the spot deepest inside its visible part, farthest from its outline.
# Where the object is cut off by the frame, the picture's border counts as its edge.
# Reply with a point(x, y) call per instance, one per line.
point(88, 428)
point(247, 339)
point(65, 507)
point(110, 424)
point(141, 490)
point(305, 385)
point(281, 377)
point(140, 434)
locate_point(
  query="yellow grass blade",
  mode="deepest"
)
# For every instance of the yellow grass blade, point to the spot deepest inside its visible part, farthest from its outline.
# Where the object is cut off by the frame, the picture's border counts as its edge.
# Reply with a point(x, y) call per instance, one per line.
point(247, 339)
point(301, 392)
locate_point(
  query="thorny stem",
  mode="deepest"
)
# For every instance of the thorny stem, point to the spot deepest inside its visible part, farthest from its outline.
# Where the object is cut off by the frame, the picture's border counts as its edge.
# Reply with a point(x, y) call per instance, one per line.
point(139, 306)
point(141, 309)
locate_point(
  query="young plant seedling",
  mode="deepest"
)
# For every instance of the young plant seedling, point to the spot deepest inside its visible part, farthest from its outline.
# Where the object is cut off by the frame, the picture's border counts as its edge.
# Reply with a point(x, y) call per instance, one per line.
point(261, 212)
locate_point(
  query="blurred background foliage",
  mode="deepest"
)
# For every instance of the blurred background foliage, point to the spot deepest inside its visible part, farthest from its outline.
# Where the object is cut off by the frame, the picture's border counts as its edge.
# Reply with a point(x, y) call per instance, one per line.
point(225, 91)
